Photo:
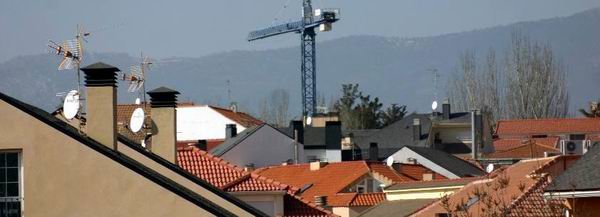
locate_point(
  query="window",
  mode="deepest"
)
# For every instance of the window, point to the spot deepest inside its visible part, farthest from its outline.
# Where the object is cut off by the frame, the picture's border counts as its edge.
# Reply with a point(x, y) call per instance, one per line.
point(10, 179)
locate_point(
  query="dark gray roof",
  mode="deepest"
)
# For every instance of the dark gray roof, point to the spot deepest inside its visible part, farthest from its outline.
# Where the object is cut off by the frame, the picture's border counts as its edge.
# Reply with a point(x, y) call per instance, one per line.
point(400, 133)
point(314, 137)
point(451, 163)
point(396, 135)
point(396, 208)
point(583, 175)
point(134, 165)
point(232, 142)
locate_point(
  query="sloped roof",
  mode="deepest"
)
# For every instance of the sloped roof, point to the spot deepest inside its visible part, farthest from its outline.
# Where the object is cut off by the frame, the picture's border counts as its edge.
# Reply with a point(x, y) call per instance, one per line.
point(505, 144)
point(522, 181)
point(531, 149)
point(547, 126)
point(210, 144)
point(241, 118)
point(416, 171)
point(433, 183)
point(127, 162)
point(229, 143)
point(583, 175)
point(329, 180)
point(388, 172)
point(231, 178)
point(396, 135)
point(368, 199)
point(397, 208)
point(124, 112)
point(451, 163)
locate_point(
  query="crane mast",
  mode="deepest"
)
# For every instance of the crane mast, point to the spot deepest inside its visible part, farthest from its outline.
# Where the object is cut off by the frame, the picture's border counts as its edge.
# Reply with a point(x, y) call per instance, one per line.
point(306, 28)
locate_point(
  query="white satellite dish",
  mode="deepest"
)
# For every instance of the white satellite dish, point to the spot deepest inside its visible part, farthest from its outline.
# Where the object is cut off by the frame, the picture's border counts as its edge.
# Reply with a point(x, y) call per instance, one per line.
point(138, 101)
point(308, 120)
point(137, 120)
point(489, 168)
point(389, 161)
point(71, 105)
point(434, 105)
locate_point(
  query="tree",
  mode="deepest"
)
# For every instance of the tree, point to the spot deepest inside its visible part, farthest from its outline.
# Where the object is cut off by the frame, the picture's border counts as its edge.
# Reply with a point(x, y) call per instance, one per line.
point(392, 114)
point(530, 85)
point(275, 108)
point(358, 111)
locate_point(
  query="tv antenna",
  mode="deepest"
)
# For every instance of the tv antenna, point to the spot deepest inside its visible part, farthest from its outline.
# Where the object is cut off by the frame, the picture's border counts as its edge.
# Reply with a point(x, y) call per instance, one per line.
point(137, 77)
point(72, 57)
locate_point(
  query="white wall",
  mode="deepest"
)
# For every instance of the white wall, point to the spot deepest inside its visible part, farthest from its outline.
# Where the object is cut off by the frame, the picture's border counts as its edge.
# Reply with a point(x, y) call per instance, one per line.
point(333, 155)
point(267, 146)
point(402, 156)
point(202, 122)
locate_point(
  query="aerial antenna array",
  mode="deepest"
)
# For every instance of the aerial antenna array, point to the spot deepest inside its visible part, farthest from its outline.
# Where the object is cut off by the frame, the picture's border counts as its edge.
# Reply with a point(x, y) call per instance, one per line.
point(72, 57)
point(137, 77)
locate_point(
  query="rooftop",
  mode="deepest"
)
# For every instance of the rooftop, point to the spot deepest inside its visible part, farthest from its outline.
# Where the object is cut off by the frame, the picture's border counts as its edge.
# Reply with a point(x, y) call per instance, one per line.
point(547, 126)
point(330, 179)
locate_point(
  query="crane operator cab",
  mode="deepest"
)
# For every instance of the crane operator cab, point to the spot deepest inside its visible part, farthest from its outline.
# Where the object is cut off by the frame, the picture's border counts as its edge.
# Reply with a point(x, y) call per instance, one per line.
point(327, 15)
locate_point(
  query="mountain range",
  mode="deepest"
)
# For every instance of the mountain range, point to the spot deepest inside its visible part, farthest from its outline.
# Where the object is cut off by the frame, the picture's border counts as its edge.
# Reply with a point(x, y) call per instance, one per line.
point(395, 69)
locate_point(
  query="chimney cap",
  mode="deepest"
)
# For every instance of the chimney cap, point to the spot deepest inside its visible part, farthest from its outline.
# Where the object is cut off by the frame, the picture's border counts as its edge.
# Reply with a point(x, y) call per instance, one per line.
point(100, 75)
point(100, 66)
point(163, 90)
point(163, 97)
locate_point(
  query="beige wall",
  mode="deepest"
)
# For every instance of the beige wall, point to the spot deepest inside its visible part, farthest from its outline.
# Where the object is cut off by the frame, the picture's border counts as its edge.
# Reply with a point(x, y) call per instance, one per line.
point(65, 178)
point(270, 202)
point(349, 211)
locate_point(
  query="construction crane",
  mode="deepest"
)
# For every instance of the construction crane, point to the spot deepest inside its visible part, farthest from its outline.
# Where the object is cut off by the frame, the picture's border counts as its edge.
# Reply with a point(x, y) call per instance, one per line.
point(321, 18)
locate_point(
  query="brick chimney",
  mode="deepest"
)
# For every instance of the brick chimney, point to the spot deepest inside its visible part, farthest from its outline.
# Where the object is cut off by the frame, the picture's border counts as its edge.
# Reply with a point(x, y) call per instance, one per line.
point(101, 89)
point(163, 102)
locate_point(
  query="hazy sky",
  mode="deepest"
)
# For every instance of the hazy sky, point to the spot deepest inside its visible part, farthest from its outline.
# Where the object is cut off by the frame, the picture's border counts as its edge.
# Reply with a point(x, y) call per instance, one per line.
point(192, 28)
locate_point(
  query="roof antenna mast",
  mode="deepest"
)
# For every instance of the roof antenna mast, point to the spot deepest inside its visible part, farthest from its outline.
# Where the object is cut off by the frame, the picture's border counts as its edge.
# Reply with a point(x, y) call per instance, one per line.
point(72, 57)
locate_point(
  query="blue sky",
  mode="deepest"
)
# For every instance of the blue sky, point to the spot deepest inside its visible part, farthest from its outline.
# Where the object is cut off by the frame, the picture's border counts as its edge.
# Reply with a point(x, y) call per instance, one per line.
point(192, 28)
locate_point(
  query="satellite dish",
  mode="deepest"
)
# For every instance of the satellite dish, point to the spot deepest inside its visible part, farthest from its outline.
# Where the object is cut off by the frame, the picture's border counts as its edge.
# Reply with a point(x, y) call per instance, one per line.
point(138, 101)
point(489, 168)
point(308, 120)
point(434, 105)
point(389, 161)
point(137, 120)
point(71, 105)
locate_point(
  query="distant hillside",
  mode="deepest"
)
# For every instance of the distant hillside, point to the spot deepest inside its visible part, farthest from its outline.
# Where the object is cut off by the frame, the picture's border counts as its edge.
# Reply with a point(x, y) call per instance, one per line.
point(394, 69)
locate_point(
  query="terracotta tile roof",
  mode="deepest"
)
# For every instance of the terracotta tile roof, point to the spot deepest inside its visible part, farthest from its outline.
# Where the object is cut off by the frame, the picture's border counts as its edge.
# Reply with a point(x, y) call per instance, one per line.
point(416, 171)
point(330, 180)
point(231, 178)
point(124, 112)
point(532, 202)
point(520, 192)
point(531, 149)
point(547, 126)
point(327, 181)
point(210, 144)
point(298, 207)
point(368, 199)
point(388, 172)
point(214, 170)
point(239, 117)
point(505, 144)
